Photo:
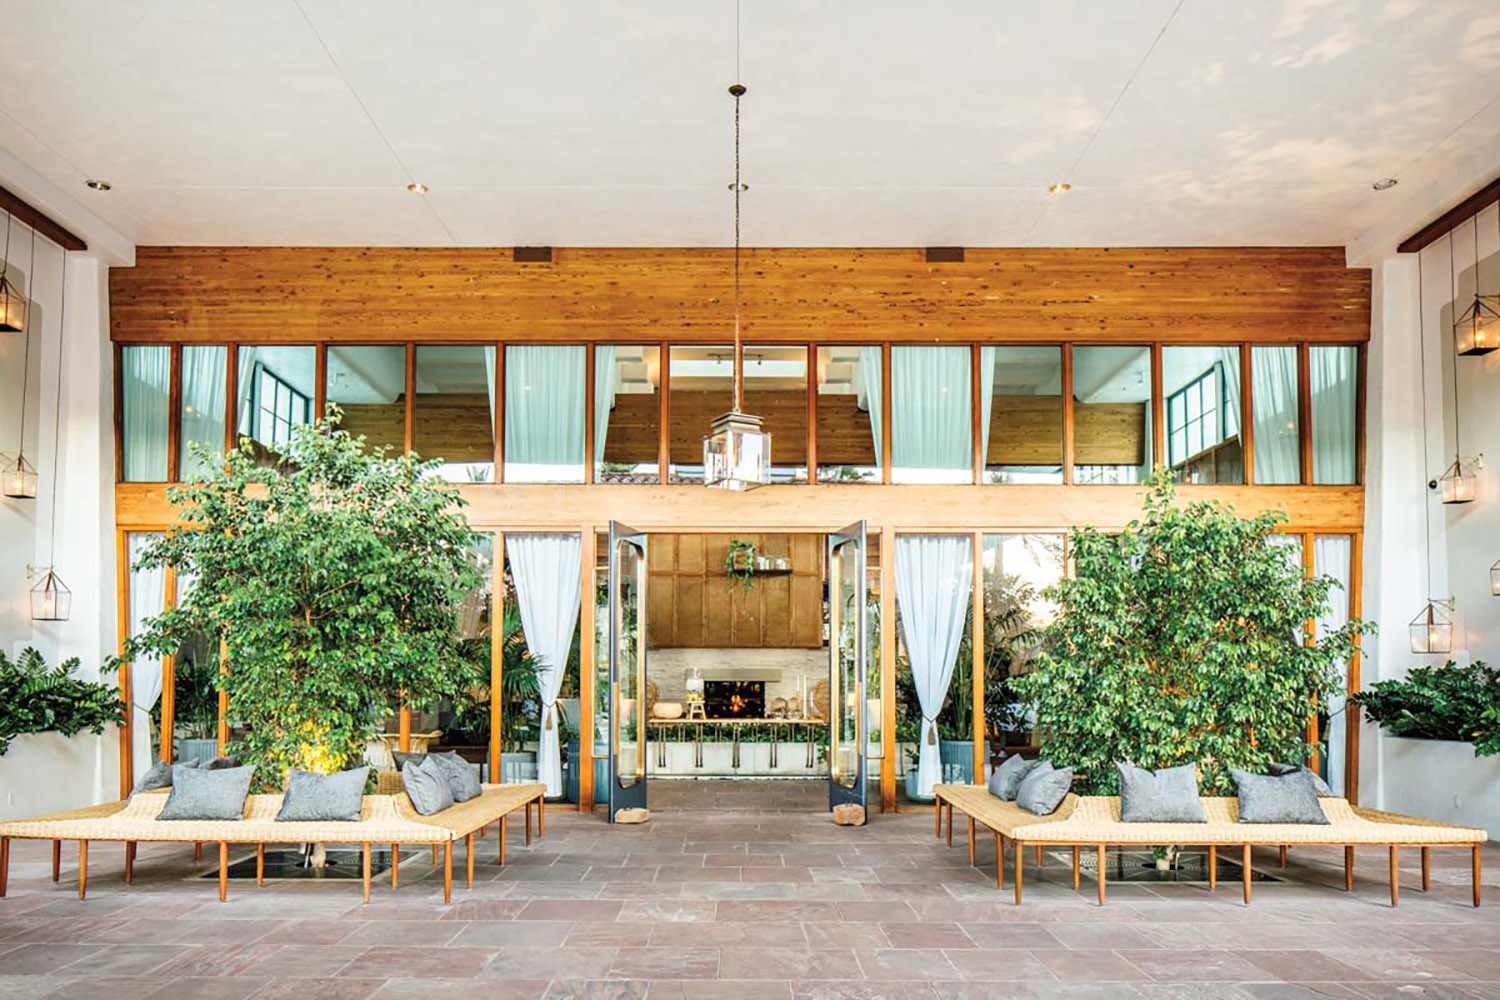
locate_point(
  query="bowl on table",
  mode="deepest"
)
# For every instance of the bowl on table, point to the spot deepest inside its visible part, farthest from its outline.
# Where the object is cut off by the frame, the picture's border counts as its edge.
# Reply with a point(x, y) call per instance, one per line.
point(667, 710)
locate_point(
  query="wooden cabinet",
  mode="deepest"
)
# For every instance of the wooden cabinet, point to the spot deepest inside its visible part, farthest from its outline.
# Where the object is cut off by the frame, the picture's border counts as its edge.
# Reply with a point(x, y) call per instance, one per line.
point(693, 602)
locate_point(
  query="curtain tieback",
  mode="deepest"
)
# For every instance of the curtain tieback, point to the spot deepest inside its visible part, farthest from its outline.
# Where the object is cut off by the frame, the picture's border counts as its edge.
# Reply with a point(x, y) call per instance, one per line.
point(931, 728)
point(550, 711)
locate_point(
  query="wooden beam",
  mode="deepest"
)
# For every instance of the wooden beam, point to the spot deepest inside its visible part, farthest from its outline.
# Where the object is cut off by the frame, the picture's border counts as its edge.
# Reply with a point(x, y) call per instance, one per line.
point(588, 411)
point(1247, 414)
point(174, 415)
point(499, 413)
point(664, 413)
point(888, 667)
point(168, 679)
point(588, 669)
point(812, 413)
point(122, 631)
point(1304, 414)
point(1158, 410)
point(497, 660)
point(1068, 426)
point(36, 219)
point(1352, 712)
point(976, 656)
point(1451, 219)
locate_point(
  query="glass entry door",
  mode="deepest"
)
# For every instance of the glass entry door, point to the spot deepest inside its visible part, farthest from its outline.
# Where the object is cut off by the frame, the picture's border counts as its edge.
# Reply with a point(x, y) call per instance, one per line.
point(626, 608)
point(847, 641)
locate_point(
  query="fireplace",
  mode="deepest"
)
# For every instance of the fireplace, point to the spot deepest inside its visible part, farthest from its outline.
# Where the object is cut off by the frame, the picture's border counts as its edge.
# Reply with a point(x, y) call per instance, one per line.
point(734, 699)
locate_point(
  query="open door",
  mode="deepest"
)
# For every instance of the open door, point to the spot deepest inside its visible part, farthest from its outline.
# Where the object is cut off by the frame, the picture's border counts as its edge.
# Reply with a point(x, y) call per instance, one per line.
point(626, 600)
point(847, 642)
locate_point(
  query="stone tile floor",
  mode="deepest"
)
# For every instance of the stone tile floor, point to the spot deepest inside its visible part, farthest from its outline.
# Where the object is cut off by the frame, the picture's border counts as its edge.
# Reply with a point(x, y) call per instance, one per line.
point(723, 896)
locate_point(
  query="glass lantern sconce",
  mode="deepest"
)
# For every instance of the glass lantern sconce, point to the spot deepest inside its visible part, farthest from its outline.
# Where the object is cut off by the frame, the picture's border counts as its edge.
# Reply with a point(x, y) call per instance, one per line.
point(736, 453)
point(1457, 483)
point(12, 307)
point(1495, 578)
point(1432, 629)
point(1477, 329)
point(18, 479)
point(51, 600)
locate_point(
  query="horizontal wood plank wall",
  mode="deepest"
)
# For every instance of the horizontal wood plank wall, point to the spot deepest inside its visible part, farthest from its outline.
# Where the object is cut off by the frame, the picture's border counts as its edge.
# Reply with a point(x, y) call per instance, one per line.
point(831, 295)
point(830, 507)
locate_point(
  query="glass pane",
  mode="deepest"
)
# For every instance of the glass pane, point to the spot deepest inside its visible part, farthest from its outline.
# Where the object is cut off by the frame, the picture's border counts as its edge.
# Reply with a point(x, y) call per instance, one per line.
point(844, 704)
point(850, 390)
point(1017, 568)
point(931, 420)
point(465, 718)
point(454, 417)
point(775, 389)
point(874, 703)
point(369, 384)
point(146, 383)
point(1202, 387)
point(544, 414)
point(702, 388)
point(630, 628)
point(1021, 407)
point(1331, 557)
point(195, 700)
point(1273, 394)
point(1335, 378)
point(205, 380)
point(1112, 436)
point(146, 598)
point(263, 375)
point(627, 414)
point(602, 621)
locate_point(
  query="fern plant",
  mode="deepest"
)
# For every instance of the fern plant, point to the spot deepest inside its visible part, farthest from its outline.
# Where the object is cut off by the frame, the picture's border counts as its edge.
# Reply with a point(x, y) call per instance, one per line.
point(36, 698)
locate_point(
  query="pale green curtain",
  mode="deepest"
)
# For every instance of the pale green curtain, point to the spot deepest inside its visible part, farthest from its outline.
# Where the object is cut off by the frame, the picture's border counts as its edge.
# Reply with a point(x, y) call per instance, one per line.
point(205, 382)
point(146, 382)
point(1334, 373)
point(931, 423)
point(544, 414)
point(1229, 359)
point(1273, 385)
point(605, 376)
point(873, 393)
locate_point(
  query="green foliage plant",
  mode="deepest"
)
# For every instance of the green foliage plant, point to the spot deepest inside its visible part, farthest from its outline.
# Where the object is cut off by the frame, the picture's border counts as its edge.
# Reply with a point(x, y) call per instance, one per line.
point(1439, 703)
point(333, 577)
point(1184, 639)
point(35, 698)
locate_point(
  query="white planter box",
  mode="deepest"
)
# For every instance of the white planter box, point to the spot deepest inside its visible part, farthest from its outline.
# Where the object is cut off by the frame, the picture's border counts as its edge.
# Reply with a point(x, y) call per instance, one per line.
point(1440, 780)
point(755, 760)
point(791, 759)
point(717, 759)
point(48, 772)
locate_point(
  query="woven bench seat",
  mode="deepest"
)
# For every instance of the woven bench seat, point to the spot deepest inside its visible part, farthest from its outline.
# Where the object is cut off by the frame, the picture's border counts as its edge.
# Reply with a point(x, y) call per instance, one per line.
point(1094, 820)
point(384, 819)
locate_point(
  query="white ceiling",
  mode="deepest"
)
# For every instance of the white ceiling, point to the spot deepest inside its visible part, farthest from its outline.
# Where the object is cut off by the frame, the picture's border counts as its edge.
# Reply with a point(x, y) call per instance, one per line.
point(867, 123)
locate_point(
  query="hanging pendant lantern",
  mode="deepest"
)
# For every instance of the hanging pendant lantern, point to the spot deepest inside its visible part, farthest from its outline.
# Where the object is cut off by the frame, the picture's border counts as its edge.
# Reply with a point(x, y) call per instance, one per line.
point(12, 307)
point(1477, 329)
point(1432, 629)
point(1457, 483)
point(51, 600)
point(18, 480)
point(736, 452)
point(1495, 578)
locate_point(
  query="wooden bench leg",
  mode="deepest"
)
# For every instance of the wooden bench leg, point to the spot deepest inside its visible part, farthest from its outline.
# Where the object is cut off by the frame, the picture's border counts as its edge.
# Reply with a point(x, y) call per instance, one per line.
point(4, 864)
point(469, 858)
point(541, 817)
point(528, 824)
point(1245, 870)
point(1348, 868)
point(1101, 874)
point(1020, 852)
point(1213, 867)
point(502, 839)
point(198, 850)
point(1075, 868)
point(937, 816)
point(365, 869)
point(1283, 855)
point(56, 859)
point(260, 865)
point(950, 824)
point(83, 868)
point(971, 841)
point(1475, 864)
point(223, 870)
point(447, 871)
point(129, 862)
point(434, 854)
point(1395, 875)
point(1039, 855)
point(1426, 868)
point(999, 861)
point(395, 863)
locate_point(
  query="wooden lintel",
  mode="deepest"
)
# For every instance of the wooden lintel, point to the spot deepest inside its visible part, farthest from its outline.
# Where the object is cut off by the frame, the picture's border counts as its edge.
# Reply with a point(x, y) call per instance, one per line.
point(1452, 219)
point(36, 219)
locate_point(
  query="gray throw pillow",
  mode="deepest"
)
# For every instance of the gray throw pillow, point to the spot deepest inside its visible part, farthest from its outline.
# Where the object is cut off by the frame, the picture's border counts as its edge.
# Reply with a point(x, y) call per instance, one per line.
point(426, 784)
point(1167, 795)
point(403, 757)
point(207, 795)
point(315, 797)
point(1044, 788)
point(1006, 779)
point(220, 763)
point(1266, 798)
point(159, 775)
point(463, 777)
point(1313, 777)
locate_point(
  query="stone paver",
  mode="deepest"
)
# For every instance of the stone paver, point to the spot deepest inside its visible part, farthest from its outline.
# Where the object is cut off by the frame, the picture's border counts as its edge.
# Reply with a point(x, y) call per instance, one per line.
point(740, 890)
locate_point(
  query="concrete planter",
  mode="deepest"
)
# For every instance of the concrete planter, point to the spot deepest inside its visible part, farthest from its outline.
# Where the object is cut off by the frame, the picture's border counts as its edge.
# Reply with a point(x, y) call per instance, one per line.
point(48, 772)
point(1440, 780)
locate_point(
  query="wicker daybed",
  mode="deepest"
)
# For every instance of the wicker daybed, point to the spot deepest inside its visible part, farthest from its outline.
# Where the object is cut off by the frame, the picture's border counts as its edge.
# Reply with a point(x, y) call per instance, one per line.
point(384, 819)
point(1094, 820)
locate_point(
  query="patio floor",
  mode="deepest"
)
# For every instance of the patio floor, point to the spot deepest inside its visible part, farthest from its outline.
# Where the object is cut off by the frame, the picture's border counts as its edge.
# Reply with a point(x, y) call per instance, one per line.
point(715, 901)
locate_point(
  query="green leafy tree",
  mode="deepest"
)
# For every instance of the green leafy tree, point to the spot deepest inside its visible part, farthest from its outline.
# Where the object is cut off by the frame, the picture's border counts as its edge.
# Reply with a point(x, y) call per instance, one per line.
point(36, 698)
point(1440, 703)
point(1183, 639)
point(333, 578)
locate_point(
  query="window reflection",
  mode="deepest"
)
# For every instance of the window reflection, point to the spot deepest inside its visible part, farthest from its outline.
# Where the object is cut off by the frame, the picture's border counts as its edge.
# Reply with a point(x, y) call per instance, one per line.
point(1021, 414)
point(1112, 414)
point(627, 414)
point(274, 392)
point(850, 393)
point(369, 384)
point(1202, 411)
point(454, 415)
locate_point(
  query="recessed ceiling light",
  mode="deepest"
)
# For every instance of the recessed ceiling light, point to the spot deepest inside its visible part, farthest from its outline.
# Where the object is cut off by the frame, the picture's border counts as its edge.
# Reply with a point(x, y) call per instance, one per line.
point(1384, 184)
point(417, 187)
point(1060, 188)
point(97, 185)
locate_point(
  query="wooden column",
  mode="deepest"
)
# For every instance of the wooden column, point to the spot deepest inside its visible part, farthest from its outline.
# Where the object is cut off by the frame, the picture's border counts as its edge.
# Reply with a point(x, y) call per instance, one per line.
point(885, 416)
point(1352, 711)
point(499, 414)
point(977, 656)
point(1304, 413)
point(664, 410)
point(174, 417)
point(497, 651)
point(1158, 411)
point(588, 670)
point(411, 395)
point(1247, 414)
point(223, 732)
point(976, 438)
point(888, 663)
point(231, 398)
point(1067, 398)
point(588, 413)
point(122, 630)
point(168, 678)
point(320, 381)
point(812, 413)
point(1309, 567)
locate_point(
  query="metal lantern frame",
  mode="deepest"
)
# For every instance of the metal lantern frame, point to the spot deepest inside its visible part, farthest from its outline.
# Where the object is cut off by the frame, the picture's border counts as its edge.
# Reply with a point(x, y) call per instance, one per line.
point(51, 599)
point(18, 480)
point(1476, 331)
point(12, 306)
point(1431, 631)
point(1457, 484)
point(1495, 578)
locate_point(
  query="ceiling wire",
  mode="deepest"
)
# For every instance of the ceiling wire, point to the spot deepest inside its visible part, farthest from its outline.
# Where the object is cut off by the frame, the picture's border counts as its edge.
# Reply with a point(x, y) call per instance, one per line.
point(1426, 468)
